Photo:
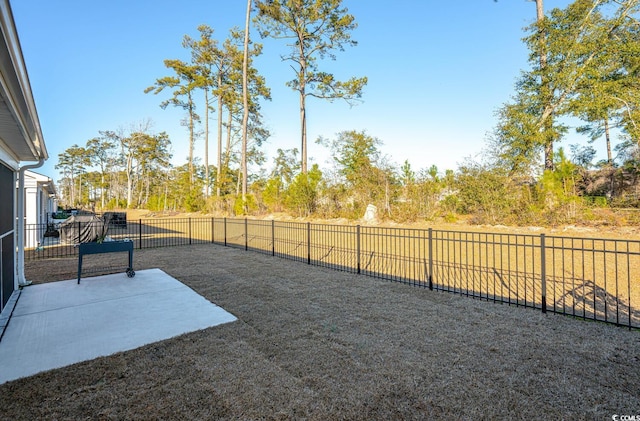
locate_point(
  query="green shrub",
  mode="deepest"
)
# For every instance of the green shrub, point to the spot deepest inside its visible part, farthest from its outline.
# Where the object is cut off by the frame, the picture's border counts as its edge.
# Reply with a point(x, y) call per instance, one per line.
point(116, 204)
point(245, 207)
point(194, 202)
point(450, 217)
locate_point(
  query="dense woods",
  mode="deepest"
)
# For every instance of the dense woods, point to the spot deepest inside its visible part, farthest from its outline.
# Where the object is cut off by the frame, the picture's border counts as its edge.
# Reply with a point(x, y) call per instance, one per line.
point(584, 65)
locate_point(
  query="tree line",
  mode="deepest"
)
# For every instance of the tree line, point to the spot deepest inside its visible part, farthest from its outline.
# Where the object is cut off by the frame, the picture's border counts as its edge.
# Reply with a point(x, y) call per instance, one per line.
point(584, 64)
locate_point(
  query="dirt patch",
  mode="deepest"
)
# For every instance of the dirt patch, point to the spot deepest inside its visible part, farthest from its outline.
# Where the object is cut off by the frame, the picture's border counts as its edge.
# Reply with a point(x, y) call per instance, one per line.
point(312, 343)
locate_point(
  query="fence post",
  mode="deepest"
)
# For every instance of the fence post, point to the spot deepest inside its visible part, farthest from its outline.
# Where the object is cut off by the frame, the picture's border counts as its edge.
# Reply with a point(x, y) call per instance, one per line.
point(543, 272)
point(431, 259)
point(273, 237)
point(189, 231)
point(213, 223)
point(308, 243)
point(140, 233)
point(225, 231)
point(246, 235)
point(358, 247)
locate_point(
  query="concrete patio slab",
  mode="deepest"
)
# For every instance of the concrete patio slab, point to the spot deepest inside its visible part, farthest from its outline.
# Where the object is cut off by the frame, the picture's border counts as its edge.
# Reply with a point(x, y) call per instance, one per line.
point(62, 323)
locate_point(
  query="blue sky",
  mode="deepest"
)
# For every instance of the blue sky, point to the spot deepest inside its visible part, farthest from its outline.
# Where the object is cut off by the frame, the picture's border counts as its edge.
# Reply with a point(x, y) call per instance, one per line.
point(438, 71)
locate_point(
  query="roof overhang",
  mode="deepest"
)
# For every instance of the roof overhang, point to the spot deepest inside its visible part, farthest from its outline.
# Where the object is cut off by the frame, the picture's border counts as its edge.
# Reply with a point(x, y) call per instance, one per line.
point(42, 181)
point(20, 133)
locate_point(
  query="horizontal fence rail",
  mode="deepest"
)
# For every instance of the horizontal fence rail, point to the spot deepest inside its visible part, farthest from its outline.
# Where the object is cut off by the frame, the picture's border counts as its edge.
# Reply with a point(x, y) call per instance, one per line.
point(596, 279)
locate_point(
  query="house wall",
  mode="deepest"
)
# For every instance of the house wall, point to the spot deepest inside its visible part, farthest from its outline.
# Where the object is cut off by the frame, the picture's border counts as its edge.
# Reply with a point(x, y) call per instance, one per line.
point(33, 229)
point(38, 205)
point(21, 147)
point(7, 234)
point(51, 205)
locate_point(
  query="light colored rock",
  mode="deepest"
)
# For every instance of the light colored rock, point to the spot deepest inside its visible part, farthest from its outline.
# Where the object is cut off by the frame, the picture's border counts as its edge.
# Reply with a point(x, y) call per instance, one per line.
point(371, 213)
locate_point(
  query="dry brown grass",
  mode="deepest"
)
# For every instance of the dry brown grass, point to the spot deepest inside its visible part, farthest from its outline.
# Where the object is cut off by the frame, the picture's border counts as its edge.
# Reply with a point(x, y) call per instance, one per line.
point(594, 277)
point(312, 343)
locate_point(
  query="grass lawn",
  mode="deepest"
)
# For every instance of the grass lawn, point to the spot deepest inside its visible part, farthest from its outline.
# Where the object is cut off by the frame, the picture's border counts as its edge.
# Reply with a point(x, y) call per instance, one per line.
point(312, 343)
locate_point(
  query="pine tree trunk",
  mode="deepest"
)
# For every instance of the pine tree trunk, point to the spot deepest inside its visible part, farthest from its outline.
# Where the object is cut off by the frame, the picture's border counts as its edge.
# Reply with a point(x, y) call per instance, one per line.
point(73, 189)
point(206, 142)
point(548, 153)
point(191, 140)
point(80, 188)
point(547, 125)
point(607, 137)
point(129, 192)
point(219, 175)
point(129, 182)
point(303, 111)
point(245, 104)
point(102, 189)
point(303, 128)
point(227, 151)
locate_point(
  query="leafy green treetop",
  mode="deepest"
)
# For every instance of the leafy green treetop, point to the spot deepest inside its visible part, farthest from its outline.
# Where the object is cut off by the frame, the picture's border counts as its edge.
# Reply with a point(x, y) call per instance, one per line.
point(577, 44)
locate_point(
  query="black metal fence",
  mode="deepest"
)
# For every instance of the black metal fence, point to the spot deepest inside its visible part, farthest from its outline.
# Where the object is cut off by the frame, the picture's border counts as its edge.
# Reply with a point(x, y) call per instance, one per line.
point(590, 278)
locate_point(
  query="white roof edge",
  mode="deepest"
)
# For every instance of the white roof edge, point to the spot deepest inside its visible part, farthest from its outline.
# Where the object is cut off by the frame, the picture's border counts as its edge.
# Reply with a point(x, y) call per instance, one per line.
point(20, 96)
point(37, 176)
point(42, 179)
